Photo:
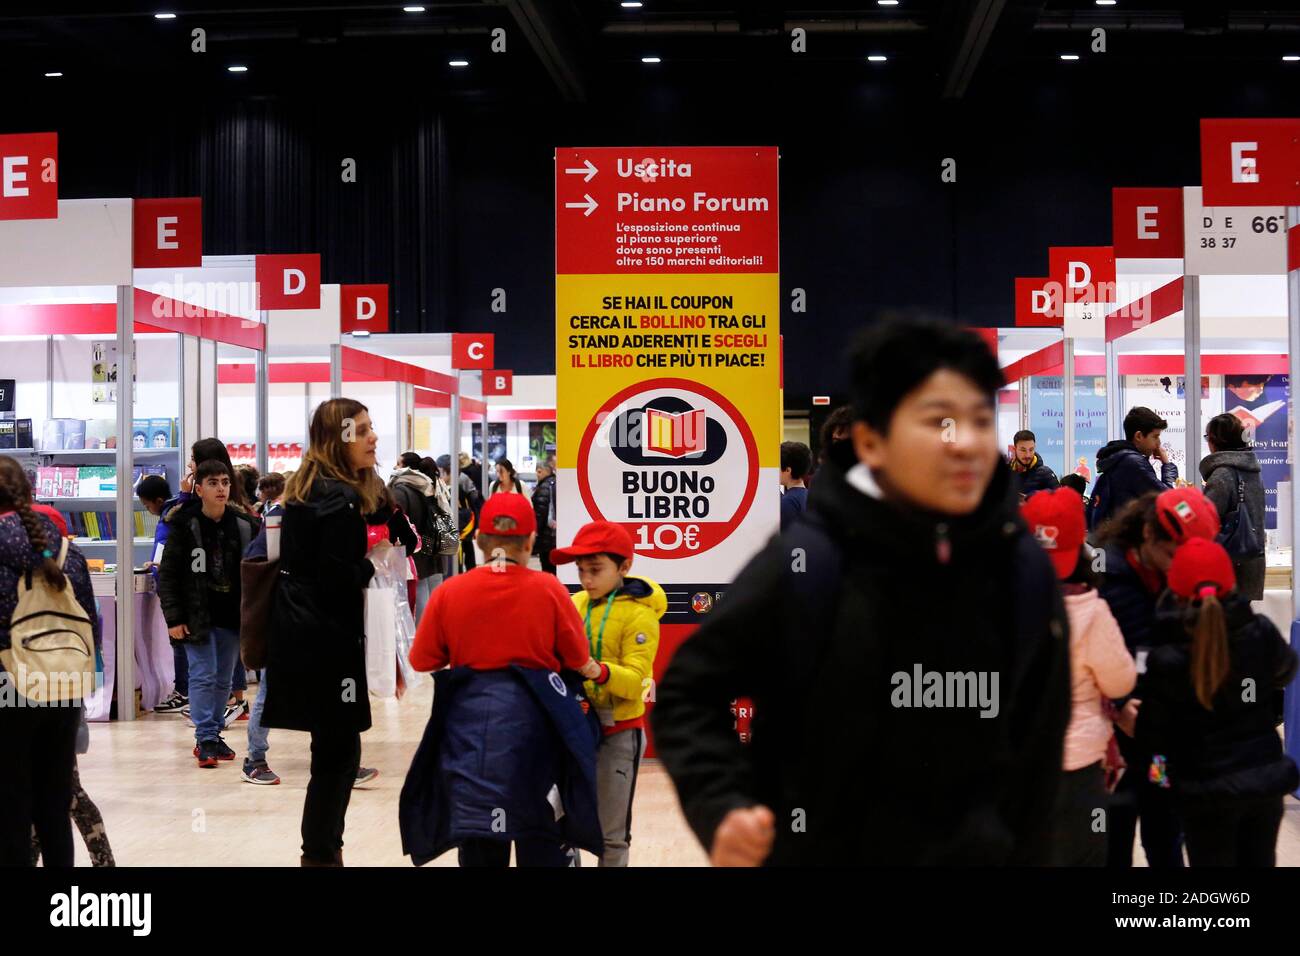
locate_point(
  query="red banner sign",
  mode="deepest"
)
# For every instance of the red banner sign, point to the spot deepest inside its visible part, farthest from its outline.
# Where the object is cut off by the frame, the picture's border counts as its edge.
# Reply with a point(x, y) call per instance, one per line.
point(1086, 273)
point(1038, 303)
point(499, 381)
point(472, 350)
point(1147, 223)
point(363, 308)
point(29, 176)
point(1250, 162)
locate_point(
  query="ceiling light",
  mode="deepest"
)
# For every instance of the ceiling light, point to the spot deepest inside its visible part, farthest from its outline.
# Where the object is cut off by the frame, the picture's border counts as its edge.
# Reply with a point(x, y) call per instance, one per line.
point(887, 3)
point(877, 58)
point(458, 63)
point(650, 59)
point(237, 69)
point(1291, 59)
point(413, 9)
point(631, 4)
point(53, 74)
point(1069, 56)
point(1105, 3)
point(360, 333)
point(164, 16)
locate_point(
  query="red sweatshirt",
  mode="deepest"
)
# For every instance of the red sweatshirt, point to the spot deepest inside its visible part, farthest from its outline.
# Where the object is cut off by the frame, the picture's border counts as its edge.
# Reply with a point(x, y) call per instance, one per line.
point(493, 617)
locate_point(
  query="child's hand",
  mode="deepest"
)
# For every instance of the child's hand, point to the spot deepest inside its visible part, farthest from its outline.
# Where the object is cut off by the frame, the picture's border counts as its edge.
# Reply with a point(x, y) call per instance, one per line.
point(744, 838)
point(178, 632)
point(1126, 719)
point(591, 669)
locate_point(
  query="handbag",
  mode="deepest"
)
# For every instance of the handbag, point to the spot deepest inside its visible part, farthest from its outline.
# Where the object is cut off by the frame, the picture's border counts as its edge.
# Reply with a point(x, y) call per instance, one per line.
point(1239, 536)
point(258, 580)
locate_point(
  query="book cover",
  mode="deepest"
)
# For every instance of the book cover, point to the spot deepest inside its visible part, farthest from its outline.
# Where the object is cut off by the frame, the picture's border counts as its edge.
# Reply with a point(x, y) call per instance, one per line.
point(92, 524)
point(139, 433)
point(47, 482)
point(52, 433)
point(25, 433)
point(160, 432)
point(67, 481)
point(101, 433)
point(74, 433)
point(675, 435)
point(8, 433)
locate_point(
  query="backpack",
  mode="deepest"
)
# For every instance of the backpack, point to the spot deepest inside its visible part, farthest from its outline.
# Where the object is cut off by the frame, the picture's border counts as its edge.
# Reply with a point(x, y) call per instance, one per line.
point(51, 654)
point(1238, 535)
point(1099, 502)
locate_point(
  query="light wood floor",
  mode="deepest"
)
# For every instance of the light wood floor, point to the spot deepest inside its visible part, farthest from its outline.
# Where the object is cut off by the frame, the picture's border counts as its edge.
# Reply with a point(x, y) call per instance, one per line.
point(161, 810)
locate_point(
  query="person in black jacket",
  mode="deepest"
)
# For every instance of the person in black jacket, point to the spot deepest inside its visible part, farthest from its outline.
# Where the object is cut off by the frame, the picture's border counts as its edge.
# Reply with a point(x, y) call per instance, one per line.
point(1209, 706)
point(412, 492)
point(1030, 471)
point(1124, 467)
point(1137, 546)
point(835, 633)
point(199, 588)
point(315, 652)
point(1232, 473)
point(543, 509)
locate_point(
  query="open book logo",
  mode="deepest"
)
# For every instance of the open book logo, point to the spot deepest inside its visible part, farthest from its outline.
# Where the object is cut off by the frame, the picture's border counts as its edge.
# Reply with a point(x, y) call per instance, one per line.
point(677, 435)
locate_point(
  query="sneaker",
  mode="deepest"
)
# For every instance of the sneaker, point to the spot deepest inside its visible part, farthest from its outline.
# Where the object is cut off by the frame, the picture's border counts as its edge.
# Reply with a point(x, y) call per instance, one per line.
point(222, 751)
point(173, 704)
point(206, 753)
point(365, 775)
point(185, 709)
point(233, 710)
point(258, 772)
point(242, 710)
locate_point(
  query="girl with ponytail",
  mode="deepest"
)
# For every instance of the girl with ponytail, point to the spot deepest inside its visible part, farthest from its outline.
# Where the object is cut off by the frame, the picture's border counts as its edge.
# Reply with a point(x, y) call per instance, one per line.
point(37, 744)
point(1211, 698)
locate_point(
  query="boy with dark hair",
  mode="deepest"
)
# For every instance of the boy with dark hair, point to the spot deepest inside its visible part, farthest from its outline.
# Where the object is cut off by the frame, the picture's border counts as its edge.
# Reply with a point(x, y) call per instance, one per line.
point(1030, 471)
point(154, 493)
point(198, 587)
point(621, 617)
point(899, 716)
point(796, 461)
point(1124, 466)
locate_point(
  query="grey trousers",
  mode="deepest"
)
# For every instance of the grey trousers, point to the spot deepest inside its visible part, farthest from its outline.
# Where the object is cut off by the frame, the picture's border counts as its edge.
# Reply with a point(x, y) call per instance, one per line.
point(617, 763)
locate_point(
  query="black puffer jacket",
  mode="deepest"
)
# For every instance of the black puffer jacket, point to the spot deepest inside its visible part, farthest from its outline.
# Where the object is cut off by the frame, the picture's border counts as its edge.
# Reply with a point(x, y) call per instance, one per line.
point(869, 780)
point(1221, 471)
point(1232, 751)
point(316, 649)
point(1037, 477)
point(543, 495)
point(1124, 473)
point(183, 592)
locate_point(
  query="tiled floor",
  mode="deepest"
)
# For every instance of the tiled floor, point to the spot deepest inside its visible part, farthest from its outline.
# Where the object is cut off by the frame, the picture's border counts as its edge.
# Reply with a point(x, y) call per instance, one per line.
point(161, 810)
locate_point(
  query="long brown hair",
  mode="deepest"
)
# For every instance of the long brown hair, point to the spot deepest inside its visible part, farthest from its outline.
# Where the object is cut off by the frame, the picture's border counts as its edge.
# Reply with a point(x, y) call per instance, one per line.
point(1210, 658)
point(16, 493)
point(327, 456)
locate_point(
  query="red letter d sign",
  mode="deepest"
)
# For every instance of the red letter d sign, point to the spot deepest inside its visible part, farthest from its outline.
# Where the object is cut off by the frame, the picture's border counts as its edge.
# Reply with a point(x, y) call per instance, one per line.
point(288, 282)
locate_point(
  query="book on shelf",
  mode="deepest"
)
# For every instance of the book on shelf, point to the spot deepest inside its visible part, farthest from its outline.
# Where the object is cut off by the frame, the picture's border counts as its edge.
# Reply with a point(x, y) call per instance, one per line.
point(8, 433)
point(101, 433)
point(25, 433)
point(162, 433)
point(96, 481)
point(67, 481)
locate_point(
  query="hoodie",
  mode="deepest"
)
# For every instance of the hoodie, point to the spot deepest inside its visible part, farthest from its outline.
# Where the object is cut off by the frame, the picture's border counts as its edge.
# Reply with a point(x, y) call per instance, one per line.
point(1100, 665)
point(1124, 474)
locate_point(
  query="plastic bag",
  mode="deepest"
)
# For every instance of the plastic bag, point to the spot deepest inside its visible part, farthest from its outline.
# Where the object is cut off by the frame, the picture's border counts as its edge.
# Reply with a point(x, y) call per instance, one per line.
point(390, 628)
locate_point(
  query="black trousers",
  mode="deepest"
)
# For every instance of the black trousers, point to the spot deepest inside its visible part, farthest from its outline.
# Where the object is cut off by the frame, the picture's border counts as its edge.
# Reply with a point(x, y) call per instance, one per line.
point(335, 759)
point(496, 853)
point(1079, 832)
point(1136, 798)
point(1233, 833)
point(37, 756)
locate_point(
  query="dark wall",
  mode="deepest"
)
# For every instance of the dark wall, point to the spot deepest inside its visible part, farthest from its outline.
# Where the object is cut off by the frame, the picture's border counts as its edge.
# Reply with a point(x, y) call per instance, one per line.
point(454, 198)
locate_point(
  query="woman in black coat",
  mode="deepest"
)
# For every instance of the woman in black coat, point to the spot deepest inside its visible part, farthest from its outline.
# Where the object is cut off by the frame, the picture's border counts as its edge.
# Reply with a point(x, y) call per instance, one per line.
point(316, 663)
point(543, 503)
point(1231, 461)
point(1211, 696)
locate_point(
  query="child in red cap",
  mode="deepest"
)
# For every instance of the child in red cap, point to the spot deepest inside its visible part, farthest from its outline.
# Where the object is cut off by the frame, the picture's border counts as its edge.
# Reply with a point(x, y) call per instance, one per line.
point(621, 618)
point(1211, 699)
point(1100, 668)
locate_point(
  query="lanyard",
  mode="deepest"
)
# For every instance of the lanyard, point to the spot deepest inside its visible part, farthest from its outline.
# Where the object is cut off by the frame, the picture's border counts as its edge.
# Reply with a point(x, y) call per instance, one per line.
point(600, 636)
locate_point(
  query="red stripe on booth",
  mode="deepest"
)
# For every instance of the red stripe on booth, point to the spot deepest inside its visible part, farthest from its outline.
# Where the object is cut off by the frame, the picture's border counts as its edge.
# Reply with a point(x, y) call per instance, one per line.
point(522, 414)
point(65, 318)
point(1156, 305)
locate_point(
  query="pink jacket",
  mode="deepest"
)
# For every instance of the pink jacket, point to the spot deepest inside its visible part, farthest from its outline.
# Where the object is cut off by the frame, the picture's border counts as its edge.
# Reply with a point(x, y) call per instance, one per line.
point(1099, 664)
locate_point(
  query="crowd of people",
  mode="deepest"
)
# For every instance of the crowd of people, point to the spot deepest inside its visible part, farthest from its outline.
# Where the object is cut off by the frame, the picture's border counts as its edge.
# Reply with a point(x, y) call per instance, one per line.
point(952, 658)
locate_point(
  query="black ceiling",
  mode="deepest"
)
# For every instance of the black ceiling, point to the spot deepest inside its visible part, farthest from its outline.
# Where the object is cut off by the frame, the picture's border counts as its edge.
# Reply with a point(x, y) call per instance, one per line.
point(589, 51)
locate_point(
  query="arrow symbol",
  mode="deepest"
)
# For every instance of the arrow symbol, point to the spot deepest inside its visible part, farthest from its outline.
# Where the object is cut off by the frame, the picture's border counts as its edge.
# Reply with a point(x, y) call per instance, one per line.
point(588, 168)
point(589, 205)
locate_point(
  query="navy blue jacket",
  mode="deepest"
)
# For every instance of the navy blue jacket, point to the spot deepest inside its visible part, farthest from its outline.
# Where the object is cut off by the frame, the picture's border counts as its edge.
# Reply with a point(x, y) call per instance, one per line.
point(1124, 474)
point(1037, 477)
point(495, 745)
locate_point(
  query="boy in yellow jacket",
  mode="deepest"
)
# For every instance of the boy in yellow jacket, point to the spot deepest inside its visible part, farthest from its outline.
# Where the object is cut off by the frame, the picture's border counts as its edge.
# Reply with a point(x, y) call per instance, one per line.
point(621, 616)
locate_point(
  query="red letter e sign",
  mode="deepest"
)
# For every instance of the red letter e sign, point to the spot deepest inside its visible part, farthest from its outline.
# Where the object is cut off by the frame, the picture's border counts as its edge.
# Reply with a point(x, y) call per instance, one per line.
point(29, 176)
point(498, 382)
point(168, 233)
point(471, 350)
point(288, 282)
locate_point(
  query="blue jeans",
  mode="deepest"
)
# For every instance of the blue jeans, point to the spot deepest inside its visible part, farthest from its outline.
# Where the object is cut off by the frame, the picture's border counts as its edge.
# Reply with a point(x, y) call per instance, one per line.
point(211, 665)
point(257, 734)
point(238, 676)
point(423, 591)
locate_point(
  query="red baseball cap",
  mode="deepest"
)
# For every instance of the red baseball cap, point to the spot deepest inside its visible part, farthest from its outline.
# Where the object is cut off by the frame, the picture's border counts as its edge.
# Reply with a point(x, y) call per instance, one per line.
point(1199, 567)
point(597, 537)
point(1186, 513)
point(1055, 519)
point(54, 515)
point(509, 515)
